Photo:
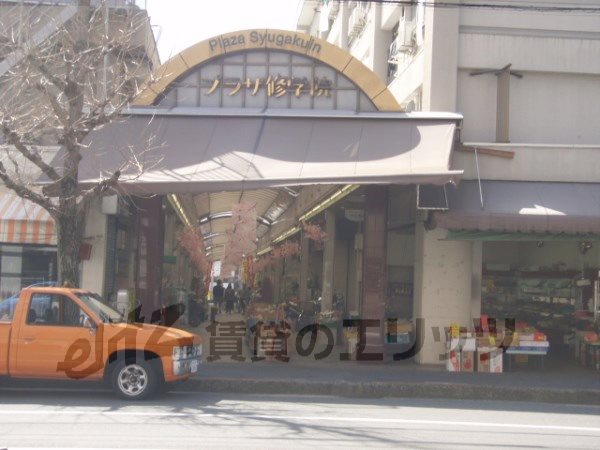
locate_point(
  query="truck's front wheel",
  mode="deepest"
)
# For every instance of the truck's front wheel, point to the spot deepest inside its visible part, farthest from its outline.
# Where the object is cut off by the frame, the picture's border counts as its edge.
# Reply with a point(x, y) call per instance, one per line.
point(134, 379)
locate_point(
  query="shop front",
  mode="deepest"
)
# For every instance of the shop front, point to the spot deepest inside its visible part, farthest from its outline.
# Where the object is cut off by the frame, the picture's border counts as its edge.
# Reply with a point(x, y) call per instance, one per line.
point(539, 269)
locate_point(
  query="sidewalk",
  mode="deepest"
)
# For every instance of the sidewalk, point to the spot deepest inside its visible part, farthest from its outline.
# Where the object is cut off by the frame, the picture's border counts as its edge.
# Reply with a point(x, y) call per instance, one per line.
point(352, 379)
point(565, 383)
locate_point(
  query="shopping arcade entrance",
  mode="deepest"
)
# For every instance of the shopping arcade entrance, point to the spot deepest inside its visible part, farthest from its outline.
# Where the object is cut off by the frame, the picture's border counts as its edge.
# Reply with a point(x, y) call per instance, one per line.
point(214, 131)
point(280, 204)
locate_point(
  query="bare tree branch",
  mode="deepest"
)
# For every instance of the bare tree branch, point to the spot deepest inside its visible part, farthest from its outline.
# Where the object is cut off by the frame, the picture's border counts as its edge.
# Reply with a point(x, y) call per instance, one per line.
point(60, 112)
point(41, 67)
point(99, 189)
point(14, 139)
point(26, 193)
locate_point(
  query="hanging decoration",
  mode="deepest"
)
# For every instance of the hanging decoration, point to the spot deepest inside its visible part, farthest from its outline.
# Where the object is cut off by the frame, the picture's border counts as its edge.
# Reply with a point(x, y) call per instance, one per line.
point(314, 232)
point(192, 242)
point(241, 238)
point(258, 265)
point(286, 250)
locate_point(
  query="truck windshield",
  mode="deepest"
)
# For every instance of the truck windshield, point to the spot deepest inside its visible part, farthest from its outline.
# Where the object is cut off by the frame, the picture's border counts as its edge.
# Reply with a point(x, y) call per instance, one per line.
point(102, 310)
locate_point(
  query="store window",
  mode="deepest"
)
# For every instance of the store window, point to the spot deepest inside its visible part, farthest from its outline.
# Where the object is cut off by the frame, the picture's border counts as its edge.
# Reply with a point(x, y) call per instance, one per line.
point(25, 265)
point(120, 250)
point(547, 287)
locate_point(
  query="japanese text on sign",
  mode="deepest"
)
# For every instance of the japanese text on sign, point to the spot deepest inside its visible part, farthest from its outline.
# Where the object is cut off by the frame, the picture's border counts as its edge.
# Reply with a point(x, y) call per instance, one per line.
point(276, 86)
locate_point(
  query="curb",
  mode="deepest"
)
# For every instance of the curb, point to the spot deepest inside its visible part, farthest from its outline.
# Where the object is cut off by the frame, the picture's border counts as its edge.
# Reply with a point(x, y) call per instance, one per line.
point(454, 391)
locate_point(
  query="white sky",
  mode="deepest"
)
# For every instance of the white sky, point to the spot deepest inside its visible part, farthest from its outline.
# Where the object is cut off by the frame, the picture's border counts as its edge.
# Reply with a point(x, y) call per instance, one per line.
point(181, 23)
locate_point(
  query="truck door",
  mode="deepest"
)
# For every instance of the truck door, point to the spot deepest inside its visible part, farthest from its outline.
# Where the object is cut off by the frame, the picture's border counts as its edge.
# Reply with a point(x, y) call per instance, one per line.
point(7, 309)
point(56, 340)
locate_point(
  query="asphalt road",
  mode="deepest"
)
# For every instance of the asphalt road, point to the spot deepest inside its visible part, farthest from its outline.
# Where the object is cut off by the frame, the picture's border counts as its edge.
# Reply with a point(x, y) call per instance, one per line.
point(93, 419)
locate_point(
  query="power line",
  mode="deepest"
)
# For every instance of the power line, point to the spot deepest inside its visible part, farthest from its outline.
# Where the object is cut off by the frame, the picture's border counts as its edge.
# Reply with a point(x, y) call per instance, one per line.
point(481, 5)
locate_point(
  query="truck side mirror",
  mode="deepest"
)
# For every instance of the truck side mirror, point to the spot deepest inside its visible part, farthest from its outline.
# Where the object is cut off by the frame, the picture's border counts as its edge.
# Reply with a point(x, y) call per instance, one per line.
point(89, 324)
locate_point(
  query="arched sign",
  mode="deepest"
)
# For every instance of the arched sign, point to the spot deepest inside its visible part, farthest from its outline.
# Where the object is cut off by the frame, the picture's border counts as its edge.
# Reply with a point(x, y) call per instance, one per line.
point(267, 68)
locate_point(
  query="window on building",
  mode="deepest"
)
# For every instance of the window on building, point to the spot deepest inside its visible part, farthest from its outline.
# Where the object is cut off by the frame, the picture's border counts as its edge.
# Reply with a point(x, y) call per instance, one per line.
point(25, 265)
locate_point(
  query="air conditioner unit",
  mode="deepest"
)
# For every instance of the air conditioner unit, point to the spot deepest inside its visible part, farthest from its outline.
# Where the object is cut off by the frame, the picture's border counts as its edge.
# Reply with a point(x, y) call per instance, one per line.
point(405, 40)
point(356, 22)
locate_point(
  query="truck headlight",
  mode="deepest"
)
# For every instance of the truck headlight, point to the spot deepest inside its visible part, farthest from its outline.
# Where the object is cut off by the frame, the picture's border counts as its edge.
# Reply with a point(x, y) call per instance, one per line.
point(178, 353)
point(187, 352)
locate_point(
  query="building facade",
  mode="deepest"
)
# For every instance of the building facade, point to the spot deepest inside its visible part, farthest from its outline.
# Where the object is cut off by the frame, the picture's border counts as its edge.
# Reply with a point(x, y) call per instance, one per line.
point(526, 81)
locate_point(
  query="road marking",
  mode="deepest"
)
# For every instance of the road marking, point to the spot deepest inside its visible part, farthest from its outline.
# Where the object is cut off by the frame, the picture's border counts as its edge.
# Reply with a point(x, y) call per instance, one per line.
point(65, 448)
point(302, 418)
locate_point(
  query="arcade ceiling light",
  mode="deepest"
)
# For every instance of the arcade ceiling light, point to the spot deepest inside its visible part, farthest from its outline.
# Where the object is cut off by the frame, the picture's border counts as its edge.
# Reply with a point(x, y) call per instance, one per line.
point(264, 251)
point(333, 198)
point(286, 234)
point(176, 204)
point(227, 214)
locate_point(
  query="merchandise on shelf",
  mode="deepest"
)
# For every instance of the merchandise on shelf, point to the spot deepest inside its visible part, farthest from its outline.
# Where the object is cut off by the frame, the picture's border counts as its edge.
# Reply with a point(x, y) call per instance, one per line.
point(483, 347)
point(545, 299)
point(489, 359)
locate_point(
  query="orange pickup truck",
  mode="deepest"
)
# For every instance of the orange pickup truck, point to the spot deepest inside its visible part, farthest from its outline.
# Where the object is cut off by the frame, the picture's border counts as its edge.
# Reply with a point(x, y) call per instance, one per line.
point(60, 333)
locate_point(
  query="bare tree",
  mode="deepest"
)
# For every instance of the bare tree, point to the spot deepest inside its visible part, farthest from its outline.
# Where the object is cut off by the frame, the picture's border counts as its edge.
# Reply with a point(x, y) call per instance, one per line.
point(56, 91)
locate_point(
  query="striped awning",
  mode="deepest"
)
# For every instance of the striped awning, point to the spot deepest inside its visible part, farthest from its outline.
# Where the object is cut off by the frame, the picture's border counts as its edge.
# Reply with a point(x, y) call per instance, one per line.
point(24, 222)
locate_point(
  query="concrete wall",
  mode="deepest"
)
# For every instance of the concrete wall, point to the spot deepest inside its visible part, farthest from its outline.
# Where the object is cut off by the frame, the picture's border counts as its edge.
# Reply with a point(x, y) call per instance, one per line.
point(441, 59)
point(544, 108)
point(577, 164)
point(442, 288)
point(557, 100)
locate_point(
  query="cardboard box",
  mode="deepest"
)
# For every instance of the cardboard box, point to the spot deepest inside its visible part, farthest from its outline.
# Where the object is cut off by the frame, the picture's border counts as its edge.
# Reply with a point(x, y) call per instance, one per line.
point(453, 355)
point(489, 359)
point(467, 361)
point(453, 361)
point(496, 365)
point(483, 359)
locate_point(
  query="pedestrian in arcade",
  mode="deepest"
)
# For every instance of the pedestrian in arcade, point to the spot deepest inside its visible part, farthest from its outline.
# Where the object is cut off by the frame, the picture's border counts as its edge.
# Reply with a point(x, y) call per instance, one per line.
point(218, 293)
point(229, 299)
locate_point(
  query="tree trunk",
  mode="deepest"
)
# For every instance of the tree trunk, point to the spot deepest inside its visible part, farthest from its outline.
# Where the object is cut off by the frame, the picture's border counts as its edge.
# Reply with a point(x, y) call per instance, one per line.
point(69, 239)
point(70, 218)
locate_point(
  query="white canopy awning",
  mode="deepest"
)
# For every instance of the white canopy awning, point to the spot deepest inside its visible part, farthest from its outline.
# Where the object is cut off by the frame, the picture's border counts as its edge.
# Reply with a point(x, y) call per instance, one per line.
point(216, 151)
point(523, 206)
